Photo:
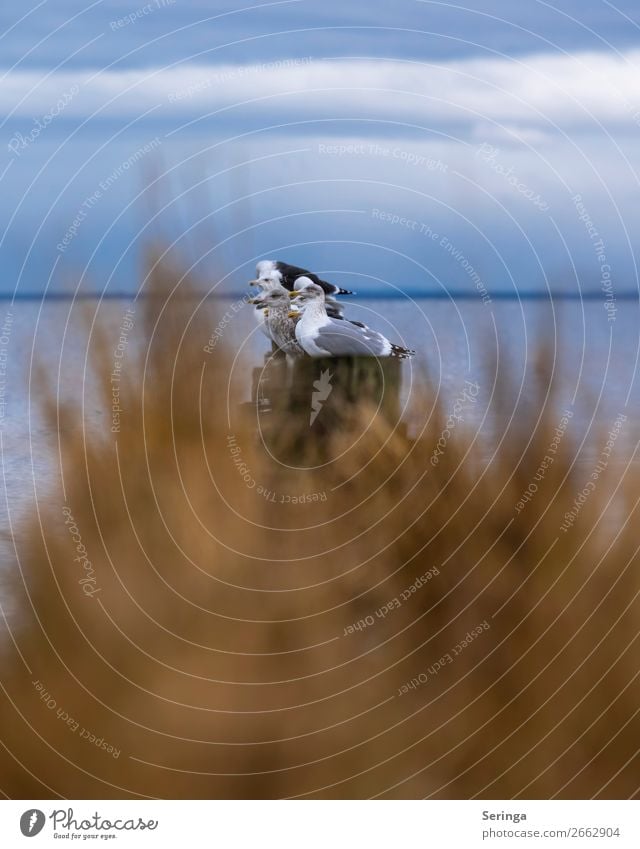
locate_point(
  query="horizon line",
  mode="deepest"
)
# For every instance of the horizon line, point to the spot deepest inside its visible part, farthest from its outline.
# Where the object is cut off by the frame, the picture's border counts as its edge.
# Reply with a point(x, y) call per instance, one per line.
point(367, 294)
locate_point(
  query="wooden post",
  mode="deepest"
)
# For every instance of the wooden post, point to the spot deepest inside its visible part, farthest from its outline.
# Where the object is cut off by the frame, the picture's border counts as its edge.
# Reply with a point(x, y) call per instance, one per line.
point(309, 397)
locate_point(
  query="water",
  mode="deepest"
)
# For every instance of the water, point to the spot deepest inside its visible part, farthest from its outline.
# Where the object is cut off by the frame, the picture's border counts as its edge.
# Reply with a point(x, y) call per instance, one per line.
point(594, 359)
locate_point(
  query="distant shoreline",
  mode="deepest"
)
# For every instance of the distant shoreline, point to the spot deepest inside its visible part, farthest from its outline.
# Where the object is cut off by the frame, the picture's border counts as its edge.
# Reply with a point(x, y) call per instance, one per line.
point(366, 295)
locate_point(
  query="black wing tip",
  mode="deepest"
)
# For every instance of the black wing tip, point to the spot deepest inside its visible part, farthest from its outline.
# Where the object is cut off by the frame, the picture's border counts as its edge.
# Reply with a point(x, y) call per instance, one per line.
point(402, 353)
point(340, 291)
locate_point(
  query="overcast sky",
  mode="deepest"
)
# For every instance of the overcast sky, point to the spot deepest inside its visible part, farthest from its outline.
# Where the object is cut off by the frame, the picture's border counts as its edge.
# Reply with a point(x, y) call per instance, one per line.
point(87, 34)
point(306, 128)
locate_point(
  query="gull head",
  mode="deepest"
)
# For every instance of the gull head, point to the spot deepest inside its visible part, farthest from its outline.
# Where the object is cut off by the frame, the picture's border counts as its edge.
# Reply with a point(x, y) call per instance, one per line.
point(271, 296)
point(274, 297)
point(267, 275)
point(305, 291)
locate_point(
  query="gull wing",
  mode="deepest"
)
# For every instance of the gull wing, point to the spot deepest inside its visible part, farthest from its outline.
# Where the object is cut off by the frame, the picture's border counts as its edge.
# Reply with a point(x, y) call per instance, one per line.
point(343, 339)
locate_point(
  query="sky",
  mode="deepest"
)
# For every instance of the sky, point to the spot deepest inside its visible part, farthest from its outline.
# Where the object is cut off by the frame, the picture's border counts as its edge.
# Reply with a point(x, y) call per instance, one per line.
point(414, 146)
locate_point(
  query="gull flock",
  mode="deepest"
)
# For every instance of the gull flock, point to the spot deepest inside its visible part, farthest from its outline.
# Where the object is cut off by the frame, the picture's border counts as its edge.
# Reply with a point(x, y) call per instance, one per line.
point(300, 314)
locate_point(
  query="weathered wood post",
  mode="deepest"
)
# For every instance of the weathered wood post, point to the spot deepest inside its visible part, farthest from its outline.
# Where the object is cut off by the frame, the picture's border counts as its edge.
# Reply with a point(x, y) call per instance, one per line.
point(306, 399)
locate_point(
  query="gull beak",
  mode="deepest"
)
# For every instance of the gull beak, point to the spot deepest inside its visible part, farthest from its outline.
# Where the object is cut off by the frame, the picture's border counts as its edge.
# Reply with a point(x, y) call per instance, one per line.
point(294, 294)
point(293, 314)
point(253, 282)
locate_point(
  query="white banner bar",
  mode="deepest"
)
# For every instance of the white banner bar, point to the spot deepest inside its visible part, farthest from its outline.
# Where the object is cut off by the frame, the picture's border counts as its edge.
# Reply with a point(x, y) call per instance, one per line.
point(318, 824)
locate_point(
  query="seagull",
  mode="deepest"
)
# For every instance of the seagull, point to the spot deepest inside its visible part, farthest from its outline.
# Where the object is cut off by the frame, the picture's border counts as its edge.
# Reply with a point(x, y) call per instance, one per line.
point(275, 305)
point(333, 308)
point(259, 312)
point(286, 275)
point(270, 272)
point(322, 336)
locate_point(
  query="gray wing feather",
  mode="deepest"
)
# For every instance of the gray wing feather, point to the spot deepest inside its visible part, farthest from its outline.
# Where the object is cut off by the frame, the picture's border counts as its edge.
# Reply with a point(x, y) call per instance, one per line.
point(343, 339)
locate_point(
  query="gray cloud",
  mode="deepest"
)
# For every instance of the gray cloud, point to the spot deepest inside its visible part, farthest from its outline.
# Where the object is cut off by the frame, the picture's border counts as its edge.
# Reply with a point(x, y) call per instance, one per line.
point(525, 98)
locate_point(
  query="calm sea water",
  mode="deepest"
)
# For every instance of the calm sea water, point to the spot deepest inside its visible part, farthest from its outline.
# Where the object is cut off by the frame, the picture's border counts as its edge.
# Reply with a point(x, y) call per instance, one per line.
point(594, 359)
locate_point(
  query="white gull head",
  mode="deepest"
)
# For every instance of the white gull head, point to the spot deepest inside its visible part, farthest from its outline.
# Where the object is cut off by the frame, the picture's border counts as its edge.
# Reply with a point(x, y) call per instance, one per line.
point(307, 291)
point(267, 275)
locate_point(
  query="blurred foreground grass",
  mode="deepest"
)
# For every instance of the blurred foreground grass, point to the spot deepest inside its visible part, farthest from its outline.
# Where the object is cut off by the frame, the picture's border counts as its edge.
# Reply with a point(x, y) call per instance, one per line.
point(203, 612)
